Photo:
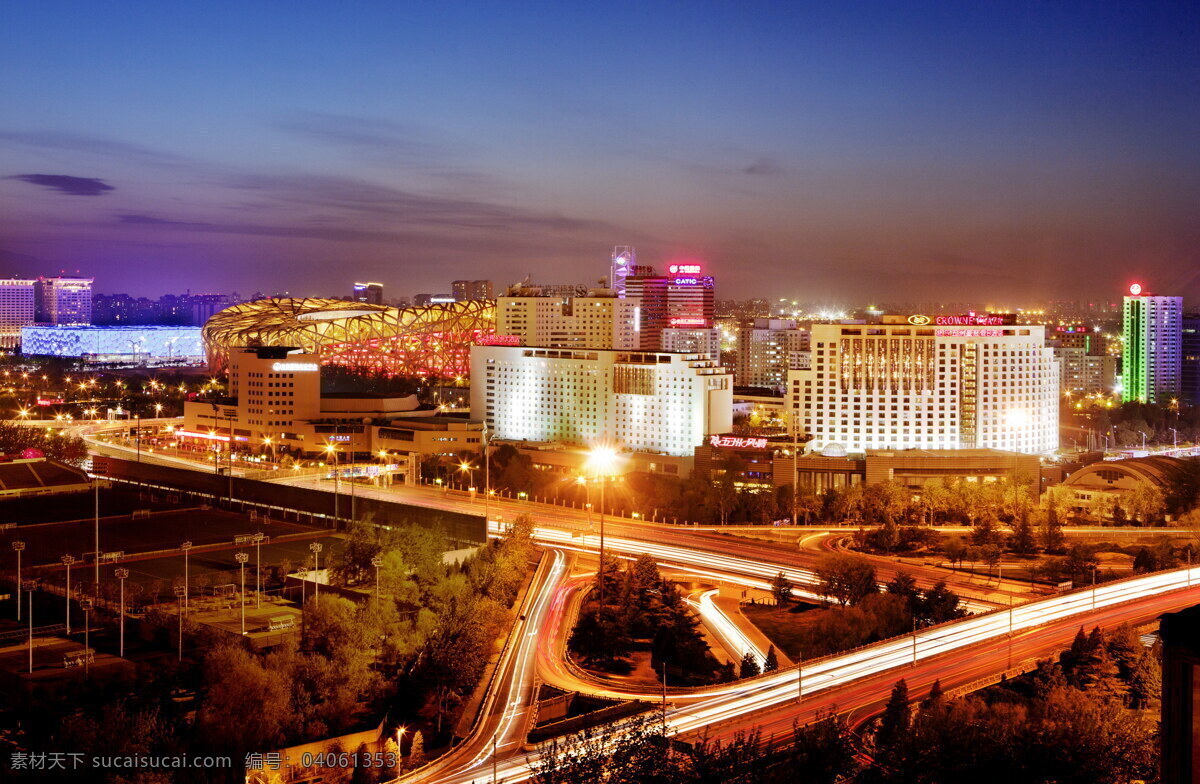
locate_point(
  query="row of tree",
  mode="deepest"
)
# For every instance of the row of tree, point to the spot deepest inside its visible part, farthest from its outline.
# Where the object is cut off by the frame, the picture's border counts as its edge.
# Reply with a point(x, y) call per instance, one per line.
point(1081, 721)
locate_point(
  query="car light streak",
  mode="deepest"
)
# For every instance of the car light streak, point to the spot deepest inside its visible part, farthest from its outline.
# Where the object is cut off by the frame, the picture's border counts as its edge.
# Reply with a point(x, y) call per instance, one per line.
point(731, 701)
point(726, 629)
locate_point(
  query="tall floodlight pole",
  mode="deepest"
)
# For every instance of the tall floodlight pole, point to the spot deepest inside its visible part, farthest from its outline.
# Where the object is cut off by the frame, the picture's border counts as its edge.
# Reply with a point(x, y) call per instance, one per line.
point(316, 551)
point(97, 486)
point(29, 588)
point(122, 573)
point(602, 460)
point(241, 559)
point(86, 605)
point(18, 546)
point(179, 594)
point(67, 561)
point(185, 547)
point(487, 481)
point(258, 540)
point(376, 561)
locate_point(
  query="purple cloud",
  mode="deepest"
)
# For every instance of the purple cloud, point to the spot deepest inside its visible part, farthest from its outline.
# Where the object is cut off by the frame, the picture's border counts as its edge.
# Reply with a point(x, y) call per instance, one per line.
point(72, 186)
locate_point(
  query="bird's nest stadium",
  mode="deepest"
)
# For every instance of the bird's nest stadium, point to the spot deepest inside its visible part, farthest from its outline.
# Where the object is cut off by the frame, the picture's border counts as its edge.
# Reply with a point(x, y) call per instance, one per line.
point(429, 342)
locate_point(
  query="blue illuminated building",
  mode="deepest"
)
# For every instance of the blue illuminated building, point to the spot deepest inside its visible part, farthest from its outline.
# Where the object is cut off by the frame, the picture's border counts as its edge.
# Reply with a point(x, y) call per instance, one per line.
point(134, 345)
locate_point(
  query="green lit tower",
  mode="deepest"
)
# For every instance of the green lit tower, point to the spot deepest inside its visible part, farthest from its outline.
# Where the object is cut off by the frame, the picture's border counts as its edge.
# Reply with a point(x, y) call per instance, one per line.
point(1151, 358)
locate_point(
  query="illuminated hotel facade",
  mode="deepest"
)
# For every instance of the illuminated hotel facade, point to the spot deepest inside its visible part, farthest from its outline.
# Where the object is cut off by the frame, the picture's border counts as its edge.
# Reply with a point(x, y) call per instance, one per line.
point(16, 310)
point(950, 382)
point(606, 322)
point(646, 402)
point(1151, 359)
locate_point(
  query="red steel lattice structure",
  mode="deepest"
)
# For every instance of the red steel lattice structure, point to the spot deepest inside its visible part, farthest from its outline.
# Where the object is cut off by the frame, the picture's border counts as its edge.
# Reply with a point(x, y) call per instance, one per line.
point(429, 342)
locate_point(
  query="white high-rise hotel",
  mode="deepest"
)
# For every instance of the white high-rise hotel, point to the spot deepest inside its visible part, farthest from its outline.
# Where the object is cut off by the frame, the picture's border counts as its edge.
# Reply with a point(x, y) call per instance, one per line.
point(644, 401)
point(951, 382)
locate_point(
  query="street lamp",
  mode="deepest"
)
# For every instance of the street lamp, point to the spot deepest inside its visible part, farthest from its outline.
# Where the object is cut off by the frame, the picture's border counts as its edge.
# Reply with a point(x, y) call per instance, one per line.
point(122, 573)
point(30, 586)
point(377, 561)
point(331, 449)
point(86, 605)
point(601, 461)
point(316, 548)
point(67, 561)
point(258, 540)
point(241, 558)
point(18, 546)
point(185, 546)
point(303, 572)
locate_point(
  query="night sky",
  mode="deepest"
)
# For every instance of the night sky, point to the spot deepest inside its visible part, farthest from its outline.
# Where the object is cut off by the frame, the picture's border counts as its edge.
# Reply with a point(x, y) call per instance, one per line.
point(832, 151)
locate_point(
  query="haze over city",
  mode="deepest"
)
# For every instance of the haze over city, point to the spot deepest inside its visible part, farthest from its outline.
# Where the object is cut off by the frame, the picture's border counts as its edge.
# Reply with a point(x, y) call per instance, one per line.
point(847, 152)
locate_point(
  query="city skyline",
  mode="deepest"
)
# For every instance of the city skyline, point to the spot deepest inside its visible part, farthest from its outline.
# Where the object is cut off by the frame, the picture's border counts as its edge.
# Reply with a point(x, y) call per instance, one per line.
point(851, 154)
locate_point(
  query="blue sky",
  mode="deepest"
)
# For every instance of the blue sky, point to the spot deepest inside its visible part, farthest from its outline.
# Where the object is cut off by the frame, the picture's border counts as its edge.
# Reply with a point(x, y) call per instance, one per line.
point(841, 152)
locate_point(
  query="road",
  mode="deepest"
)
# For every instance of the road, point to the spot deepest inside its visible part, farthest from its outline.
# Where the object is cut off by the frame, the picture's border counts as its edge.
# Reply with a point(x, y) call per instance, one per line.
point(500, 733)
point(857, 682)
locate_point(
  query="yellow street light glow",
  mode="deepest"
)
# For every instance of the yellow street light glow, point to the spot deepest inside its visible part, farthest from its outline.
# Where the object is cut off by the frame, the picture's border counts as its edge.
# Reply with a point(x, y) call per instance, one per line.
point(602, 460)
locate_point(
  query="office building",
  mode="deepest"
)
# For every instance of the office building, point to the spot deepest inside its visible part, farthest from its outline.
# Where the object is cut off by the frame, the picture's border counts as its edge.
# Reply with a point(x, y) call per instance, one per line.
point(369, 293)
point(681, 299)
point(974, 381)
point(62, 300)
point(16, 310)
point(1151, 370)
point(573, 322)
point(767, 350)
point(644, 402)
point(1190, 360)
point(425, 300)
point(275, 405)
point(132, 346)
point(686, 340)
point(467, 290)
point(1082, 373)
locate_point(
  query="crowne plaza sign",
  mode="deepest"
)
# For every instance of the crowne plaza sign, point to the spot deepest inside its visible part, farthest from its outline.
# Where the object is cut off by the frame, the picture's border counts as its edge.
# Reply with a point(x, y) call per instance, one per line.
point(966, 320)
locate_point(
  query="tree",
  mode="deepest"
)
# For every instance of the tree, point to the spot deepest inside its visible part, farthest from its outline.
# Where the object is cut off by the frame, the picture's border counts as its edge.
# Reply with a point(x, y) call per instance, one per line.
point(781, 589)
point(845, 578)
point(823, 751)
point(749, 667)
point(893, 725)
point(1052, 535)
point(1022, 536)
point(416, 751)
point(771, 662)
point(955, 550)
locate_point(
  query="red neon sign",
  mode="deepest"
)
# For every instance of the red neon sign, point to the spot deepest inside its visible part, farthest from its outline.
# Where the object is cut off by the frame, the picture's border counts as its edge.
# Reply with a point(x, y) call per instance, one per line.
point(684, 269)
point(969, 333)
point(689, 321)
point(499, 340)
point(737, 442)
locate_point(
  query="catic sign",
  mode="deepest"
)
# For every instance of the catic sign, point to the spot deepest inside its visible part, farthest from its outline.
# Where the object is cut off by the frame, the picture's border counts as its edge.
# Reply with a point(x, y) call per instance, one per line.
point(295, 367)
point(687, 281)
point(684, 269)
point(737, 442)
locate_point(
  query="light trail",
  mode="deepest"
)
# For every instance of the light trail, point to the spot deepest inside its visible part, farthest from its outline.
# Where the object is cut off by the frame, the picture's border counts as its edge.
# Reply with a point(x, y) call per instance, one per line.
point(730, 633)
point(733, 701)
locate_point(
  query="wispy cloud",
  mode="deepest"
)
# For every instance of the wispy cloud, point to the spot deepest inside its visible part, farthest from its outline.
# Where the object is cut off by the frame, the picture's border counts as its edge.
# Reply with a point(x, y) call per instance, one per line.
point(763, 167)
point(372, 201)
point(63, 183)
point(96, 145)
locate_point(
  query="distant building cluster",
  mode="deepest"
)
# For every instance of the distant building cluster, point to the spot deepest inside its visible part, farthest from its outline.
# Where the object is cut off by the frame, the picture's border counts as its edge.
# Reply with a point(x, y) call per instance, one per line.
point(54, 300)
